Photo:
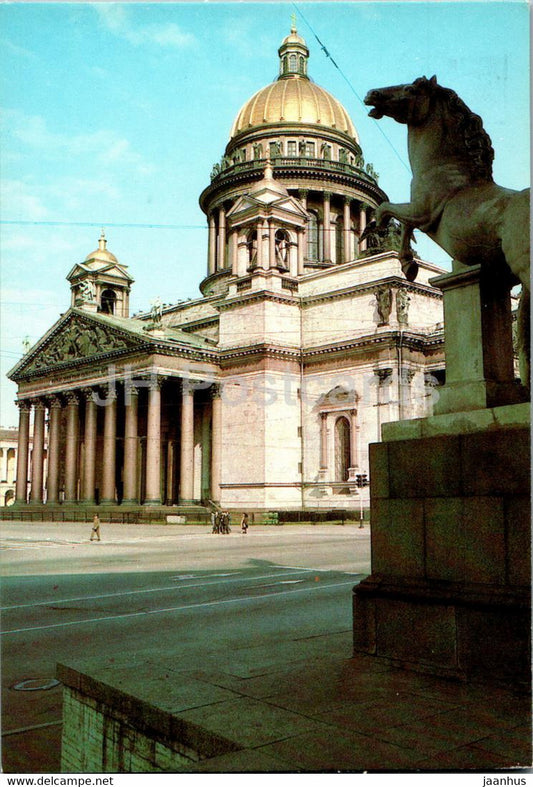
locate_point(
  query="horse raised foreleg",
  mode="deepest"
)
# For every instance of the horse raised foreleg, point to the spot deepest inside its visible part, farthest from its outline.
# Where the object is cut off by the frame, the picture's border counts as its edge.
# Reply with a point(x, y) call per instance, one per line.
point(404, 212)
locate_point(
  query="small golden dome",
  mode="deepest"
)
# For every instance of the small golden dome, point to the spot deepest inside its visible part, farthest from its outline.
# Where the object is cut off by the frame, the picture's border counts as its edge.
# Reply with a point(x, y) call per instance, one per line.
point(293, 38)
point(101, 253)
point(294, 100)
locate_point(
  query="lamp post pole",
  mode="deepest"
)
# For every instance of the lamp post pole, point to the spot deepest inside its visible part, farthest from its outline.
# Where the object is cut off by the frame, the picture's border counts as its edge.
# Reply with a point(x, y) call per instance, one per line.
point(362, 481)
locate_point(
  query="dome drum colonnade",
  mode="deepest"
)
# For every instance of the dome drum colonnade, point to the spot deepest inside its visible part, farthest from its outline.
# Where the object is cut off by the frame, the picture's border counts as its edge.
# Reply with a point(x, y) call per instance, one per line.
point(308, 138)
point(120, 444)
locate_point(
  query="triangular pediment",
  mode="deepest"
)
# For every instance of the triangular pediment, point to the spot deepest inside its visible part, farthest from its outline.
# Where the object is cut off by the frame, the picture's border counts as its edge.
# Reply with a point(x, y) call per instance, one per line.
point(76, 338)
point(96, 269)
point(284, 208)
point(291, 205)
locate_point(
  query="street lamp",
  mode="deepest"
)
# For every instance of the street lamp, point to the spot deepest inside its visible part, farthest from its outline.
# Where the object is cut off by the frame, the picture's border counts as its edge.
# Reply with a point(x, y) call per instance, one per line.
point(361, 480)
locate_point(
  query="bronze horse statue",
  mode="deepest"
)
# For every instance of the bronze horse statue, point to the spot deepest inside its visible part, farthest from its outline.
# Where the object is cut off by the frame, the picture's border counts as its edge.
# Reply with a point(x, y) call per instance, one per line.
point(454, 198)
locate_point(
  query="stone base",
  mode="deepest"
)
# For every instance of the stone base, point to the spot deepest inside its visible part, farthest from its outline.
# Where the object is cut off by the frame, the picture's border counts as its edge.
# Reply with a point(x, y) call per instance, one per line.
point(467, 632)
point(451, 560)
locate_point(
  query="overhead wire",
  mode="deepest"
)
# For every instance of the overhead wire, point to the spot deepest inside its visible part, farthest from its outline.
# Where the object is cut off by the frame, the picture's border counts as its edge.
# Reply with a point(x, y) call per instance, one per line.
point(356, 94)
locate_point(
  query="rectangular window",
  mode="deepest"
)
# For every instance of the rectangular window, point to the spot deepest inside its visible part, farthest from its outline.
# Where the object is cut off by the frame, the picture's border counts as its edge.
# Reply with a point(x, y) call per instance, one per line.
point(291, 148)
point(310, 149)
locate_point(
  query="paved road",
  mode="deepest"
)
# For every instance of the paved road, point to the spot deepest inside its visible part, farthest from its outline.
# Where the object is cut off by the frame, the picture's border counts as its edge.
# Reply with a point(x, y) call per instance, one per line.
point(169, 591)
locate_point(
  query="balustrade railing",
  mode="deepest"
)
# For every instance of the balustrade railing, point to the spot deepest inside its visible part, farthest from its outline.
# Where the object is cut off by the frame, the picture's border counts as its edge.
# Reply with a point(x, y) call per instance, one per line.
point(280, 162)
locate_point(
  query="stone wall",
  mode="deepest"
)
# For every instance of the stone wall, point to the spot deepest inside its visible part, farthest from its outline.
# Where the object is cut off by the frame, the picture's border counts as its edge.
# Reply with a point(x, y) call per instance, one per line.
point(109, 730)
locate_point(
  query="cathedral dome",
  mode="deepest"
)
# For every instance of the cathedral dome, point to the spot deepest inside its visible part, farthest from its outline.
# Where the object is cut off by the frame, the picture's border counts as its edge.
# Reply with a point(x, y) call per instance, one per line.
point(293, 97)
point(101, 254)
point(293, 100)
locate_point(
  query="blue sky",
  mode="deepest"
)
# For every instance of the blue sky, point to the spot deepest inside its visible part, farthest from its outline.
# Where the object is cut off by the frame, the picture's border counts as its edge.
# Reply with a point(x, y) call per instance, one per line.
point(114, 114)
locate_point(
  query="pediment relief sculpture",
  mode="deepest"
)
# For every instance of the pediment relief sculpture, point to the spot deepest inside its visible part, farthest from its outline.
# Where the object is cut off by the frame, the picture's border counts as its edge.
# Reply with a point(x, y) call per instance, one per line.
point(78, 340)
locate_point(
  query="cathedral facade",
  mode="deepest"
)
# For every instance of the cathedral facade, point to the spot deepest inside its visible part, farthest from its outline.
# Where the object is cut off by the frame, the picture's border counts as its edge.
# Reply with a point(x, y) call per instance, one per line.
point(264, 393)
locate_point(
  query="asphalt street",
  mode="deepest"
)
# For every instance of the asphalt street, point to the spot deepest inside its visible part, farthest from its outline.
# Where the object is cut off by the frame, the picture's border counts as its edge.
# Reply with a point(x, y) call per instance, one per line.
point(149, 591)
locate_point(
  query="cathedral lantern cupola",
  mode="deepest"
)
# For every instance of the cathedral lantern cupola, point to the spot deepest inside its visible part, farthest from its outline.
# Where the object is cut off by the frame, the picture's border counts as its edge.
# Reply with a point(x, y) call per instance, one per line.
point(293, 55)
point(100, 283)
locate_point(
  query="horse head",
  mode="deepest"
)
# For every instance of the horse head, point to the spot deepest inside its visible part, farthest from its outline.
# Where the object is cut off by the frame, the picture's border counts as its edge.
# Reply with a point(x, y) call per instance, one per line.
point(403, 103)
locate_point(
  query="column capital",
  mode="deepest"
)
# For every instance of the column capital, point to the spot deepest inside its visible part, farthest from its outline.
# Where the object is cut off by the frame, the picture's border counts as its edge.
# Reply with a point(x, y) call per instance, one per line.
point(302, 193)
point(158, 380)
point(407, 375)
point(327, 194)
point(130, 389)
point(109, 392)
point(215, 391)
point(54, 402)
point(384, 376)
point(88, 393)
point(72, 398)
point(24, 405)
point(39, 403)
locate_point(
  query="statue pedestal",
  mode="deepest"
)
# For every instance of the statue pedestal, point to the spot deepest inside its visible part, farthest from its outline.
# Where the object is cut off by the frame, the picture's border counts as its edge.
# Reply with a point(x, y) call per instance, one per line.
point(478, 341)
point(450, 586)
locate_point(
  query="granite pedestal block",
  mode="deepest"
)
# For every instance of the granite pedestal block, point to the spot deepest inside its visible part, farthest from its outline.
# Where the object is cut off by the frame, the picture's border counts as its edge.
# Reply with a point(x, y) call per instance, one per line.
point(449, 591)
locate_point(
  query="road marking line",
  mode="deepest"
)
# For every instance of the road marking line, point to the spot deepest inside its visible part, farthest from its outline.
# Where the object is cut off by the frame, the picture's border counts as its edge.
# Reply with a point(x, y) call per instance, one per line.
point(54, 602)
point(35, 727)
point(198, 605)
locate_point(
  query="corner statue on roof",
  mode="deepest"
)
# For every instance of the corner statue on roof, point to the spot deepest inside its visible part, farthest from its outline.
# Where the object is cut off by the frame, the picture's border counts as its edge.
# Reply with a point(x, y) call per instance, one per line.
point(454, 198)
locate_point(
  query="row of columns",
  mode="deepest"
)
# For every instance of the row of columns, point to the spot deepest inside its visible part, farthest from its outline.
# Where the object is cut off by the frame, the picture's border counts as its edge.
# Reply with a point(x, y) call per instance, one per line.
point(220, 236)
point(71, 400)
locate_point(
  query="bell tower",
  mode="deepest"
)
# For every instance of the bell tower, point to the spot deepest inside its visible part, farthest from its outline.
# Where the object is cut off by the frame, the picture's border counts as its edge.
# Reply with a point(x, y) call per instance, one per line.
point(100, 283)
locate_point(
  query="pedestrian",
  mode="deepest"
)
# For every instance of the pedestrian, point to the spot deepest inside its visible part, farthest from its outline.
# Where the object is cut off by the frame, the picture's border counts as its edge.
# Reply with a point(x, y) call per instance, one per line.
point(244, 524)
point(224, 523)
point(95, 532)
point(214, 522)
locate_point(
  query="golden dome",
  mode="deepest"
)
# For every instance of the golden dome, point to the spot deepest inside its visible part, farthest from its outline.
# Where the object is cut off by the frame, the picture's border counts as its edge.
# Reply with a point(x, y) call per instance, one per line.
point(101, 253)
point(294, 100)
point(293, 97)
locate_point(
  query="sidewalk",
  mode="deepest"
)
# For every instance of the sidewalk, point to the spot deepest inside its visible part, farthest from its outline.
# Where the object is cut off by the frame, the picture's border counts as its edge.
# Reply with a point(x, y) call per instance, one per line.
point(308, 708)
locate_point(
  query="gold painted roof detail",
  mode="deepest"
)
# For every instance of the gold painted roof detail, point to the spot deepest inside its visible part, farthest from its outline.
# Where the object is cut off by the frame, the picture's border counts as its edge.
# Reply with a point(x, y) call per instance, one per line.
point(102, 253)
point(293, 100)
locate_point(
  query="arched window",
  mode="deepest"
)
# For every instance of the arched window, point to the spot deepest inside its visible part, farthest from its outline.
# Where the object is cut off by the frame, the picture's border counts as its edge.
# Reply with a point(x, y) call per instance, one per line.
point(339, 240)
point(9, 498)
point(342, 449)
point(302, 65)
point(108, 301)
point(312, 237)
point(293, 64)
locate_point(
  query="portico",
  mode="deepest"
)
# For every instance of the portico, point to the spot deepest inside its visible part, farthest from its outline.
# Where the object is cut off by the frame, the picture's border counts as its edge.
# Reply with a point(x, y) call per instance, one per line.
point(126, 432)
